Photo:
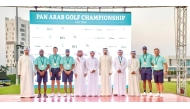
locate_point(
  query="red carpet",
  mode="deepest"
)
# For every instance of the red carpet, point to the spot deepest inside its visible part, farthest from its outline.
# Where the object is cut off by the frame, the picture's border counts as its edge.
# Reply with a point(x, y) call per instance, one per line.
point(166, 98)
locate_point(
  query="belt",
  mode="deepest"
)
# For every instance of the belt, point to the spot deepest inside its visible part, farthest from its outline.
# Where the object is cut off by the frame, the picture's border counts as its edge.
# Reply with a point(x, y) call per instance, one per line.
point(41, 70)
point(145, 67)
point(157, 70)
point(55, 68)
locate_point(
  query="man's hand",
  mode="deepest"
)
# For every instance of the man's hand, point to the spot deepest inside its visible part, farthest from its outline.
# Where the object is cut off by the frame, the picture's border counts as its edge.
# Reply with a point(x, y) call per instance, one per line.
point(110, 74)
point(100, 74)
point(85, 74)
point(76, 75)
point(42, 73)
point(59, 74)
point(19, 75)
point(69, 72)
point(165, 73)
point(119, 71)
point(93, 71)
point(133, 72)
point(140, 71)
point(50, 74)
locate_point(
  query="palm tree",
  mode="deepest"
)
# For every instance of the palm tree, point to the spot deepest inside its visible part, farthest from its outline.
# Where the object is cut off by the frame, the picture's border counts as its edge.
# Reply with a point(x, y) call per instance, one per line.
point(4, 69)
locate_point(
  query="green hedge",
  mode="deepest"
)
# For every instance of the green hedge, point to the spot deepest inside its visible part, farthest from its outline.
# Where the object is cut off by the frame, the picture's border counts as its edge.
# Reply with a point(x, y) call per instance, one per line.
point(13, 78)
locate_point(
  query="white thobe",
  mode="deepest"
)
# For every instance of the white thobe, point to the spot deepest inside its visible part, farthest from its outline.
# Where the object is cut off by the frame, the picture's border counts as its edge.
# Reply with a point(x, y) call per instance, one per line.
point(27, 71)
point(120, 78)
point(105, 68)
point(133, 79)
point(93, 86)
point(80, 81)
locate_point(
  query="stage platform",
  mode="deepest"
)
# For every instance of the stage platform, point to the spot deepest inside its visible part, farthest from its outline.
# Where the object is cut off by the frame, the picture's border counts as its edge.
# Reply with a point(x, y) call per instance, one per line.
point(166, 98)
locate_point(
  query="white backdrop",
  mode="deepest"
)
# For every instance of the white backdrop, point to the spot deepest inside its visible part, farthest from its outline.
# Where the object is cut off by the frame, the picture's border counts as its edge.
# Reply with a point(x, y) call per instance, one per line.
point(80, 37)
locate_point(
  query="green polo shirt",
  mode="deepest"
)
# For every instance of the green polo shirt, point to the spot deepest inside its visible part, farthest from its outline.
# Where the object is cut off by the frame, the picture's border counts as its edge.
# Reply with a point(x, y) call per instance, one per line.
point(55, 61)
point(158, 62)
point(145, 60)
point(41, 62)
point(67, 62)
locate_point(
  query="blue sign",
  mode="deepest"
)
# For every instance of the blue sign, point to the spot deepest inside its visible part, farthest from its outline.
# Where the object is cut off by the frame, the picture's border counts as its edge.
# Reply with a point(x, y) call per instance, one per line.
point(80, 18)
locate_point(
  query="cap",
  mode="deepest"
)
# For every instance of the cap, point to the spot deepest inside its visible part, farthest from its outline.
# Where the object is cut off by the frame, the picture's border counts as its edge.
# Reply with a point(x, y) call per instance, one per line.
point(133, 51)
point(144, 47)
point(67, 50)
point(92, 51)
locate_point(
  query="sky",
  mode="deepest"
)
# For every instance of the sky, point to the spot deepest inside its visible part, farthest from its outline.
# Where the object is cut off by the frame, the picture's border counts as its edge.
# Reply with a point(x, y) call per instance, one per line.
point(151, 27)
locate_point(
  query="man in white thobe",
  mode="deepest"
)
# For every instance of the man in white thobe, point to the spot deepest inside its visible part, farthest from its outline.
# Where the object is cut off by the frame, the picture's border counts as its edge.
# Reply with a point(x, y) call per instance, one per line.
point(105, 71)
point(80, 73)
point(92, 67)
point(26, 71)
point(120, 64)
point(133, 75)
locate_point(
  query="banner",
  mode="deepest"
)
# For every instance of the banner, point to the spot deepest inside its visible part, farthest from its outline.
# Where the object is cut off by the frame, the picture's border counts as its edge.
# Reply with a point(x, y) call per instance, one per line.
point(85, 31)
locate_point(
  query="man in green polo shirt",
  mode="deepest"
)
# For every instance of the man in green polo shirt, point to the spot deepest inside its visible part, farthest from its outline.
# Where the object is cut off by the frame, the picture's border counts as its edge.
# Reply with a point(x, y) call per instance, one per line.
point(67, 65)
point(55, 72)
point(42, 65)
point(145, 69)
point(160, 69)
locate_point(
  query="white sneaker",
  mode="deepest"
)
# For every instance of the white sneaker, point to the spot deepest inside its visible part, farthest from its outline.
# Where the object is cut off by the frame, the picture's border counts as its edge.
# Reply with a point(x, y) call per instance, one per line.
point(59, 95)
point(52, 95)
point(157, 95)
point(65, 95)
point(144, 94)
point(150, 94)
point(161, 95)
point(71, 94)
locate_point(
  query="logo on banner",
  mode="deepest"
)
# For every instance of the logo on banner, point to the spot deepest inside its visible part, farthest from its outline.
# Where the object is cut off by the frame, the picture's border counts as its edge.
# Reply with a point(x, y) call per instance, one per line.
point(123, 46)
point(111, 38)
point(86, 29)
point(109, 29)
point(50, 36)
point(123, 28)
point(87, 45)
point(100, 37)
point(62, 28)
point(98, 29)
point(75, 37)
point(49, 46)
point(74, 46)
point(122, 37)
point(62, 37)
point(62, 45)
point(37, 46)
point(85, 54)
point(37, 27)
point(99, 53)
point(49, 29)
point(112, 46)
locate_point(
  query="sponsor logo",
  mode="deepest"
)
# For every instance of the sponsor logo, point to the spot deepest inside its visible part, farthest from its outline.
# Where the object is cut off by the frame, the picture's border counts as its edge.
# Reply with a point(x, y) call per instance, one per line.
point(123, 38)
point(87, 45)
point(98, 29)
point(86, 29)
point(111, 38)
point(85, 54)
point(100, 38)
point(87, 38)
point(74, 36)
point(37, 46)
point(37, 27)
point(49, 29)
point(62, 37)
point(112, 46)
point(123, 28)
point(62, 45)
point(74, 46)
point(123, 46)
point(50, 36)
point(62, 28)
point(99, 53)
point(49, 46)
point(37, 37)
point(109, 29)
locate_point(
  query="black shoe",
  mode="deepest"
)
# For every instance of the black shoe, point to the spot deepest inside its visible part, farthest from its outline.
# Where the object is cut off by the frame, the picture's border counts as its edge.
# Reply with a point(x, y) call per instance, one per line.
point(45, 96)
point(39, 96)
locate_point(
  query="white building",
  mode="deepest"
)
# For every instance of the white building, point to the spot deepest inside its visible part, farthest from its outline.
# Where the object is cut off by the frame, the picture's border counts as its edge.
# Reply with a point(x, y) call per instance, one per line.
point(10, 32)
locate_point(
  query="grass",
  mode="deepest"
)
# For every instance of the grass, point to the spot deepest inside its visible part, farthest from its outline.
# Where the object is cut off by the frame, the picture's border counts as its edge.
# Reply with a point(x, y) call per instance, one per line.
point(169, 87)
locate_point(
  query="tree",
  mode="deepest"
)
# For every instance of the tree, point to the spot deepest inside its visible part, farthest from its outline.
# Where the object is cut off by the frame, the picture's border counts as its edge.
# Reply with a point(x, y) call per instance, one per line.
point(3, 68)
